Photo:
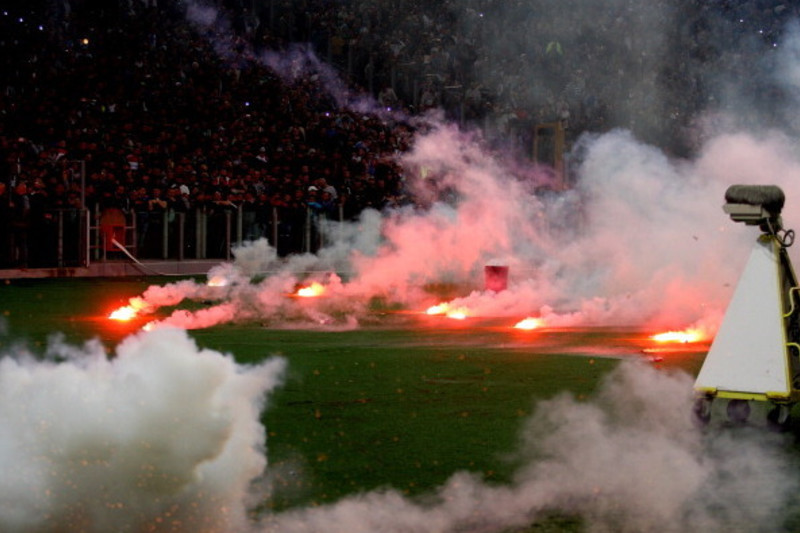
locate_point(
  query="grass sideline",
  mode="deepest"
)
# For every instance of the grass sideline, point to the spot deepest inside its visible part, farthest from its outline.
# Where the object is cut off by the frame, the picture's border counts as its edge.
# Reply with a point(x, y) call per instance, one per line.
point(403, 405)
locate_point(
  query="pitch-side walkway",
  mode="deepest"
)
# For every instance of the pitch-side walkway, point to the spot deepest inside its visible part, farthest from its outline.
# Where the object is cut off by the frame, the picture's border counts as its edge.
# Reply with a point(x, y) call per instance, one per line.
point(117, 268)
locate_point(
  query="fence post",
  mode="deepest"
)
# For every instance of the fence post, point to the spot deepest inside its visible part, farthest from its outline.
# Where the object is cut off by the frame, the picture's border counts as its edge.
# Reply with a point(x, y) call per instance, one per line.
point(181, 234)
point(86, 242)
point(239, 216)
point(60, 249)
point(322, 229)
point(83, 183)
point(165, 234)
point(307, 233)
point(98, 242)
point(200, 231)
point(275, 223)
point(134, 242)
point(340, 233)
point(227, 235)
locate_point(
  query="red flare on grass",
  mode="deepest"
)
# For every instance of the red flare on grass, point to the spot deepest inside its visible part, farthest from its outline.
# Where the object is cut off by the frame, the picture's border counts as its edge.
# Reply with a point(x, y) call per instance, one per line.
point(438, 309)
point(123, 314)
point(311, 291)
point(685, 336)
point(457, 313)
point(217, 281)
point(128, 312)
point(529, 323)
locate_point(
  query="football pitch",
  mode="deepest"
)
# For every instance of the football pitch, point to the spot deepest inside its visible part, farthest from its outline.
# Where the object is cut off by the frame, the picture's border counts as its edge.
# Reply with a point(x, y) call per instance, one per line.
point(402, 403)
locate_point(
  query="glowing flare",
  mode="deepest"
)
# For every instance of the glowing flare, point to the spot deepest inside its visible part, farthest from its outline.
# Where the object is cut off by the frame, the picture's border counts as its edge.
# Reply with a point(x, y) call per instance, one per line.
point(130, 311)
point(217, 281)
point(458, 314)
point(685, 336)
point(315, 289)
point(438, 309)
point(529, 323)
point(123, 314)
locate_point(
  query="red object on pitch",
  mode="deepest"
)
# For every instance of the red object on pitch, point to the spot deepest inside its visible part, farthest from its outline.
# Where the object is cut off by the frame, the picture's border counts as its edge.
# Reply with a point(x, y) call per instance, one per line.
point(495, 278)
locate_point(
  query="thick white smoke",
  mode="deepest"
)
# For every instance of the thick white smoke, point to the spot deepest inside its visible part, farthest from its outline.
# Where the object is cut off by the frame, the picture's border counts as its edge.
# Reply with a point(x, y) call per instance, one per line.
point(629, 460)
point(163, 436)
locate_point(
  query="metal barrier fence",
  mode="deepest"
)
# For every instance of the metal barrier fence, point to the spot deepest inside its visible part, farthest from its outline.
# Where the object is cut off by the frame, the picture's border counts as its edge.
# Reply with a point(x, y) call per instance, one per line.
point(65, 238)
point(55, 239)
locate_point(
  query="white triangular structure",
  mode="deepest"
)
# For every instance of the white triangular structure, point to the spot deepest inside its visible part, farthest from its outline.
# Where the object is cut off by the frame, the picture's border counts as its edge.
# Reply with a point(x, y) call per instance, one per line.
point(749, 358)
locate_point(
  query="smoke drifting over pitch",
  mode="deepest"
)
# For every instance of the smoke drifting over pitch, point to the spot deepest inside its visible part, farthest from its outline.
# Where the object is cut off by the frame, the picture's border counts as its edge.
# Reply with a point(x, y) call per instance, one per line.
point(639, 241)
point(166, 437)
point(186, 444)
point(627, 461)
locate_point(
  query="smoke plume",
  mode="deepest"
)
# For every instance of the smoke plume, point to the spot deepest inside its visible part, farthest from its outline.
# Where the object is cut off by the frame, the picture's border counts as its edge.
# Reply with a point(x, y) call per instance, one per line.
point(640, 240)
point(163, 436)
point(629, 460)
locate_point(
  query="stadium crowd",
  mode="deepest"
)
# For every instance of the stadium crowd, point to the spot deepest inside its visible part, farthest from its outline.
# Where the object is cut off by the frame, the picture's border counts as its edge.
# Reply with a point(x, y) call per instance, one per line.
point(161, 122)
point(141, 110)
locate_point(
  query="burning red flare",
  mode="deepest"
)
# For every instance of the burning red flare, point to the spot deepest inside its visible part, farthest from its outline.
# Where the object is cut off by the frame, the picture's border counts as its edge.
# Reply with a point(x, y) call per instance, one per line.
point(529, 323)
point(123, 314)
point(438, 309)
point(457, 313)
point(128, 312)
point(311, 291)
point(685, 336)
point(217, 281)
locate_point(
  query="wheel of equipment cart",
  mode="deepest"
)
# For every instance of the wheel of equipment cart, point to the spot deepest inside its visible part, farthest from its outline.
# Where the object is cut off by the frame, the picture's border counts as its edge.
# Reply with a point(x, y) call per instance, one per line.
point(738, 411)
point(701, 411)
point(778, 418)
